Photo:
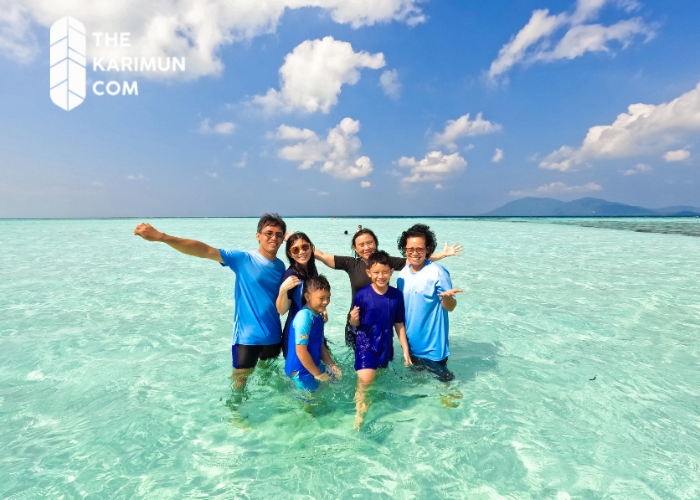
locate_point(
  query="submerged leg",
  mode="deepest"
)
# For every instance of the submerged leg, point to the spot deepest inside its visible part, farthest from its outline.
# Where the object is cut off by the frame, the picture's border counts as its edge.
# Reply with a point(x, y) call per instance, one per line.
point(364, 379)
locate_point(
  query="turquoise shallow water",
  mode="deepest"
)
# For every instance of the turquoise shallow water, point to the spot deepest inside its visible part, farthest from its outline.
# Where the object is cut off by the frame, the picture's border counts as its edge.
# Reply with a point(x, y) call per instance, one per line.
point(115, 358)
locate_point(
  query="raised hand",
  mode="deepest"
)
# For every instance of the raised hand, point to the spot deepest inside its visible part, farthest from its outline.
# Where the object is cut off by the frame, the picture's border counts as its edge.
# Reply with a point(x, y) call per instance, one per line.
point(287, 235)
point(450, 293)
point(452, 250)
point(290, 283)
point(325, 316)
point(147, 232)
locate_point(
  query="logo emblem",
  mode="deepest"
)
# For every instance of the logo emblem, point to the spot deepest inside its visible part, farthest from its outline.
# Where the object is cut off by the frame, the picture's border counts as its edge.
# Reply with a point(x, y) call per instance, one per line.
point(67, 63)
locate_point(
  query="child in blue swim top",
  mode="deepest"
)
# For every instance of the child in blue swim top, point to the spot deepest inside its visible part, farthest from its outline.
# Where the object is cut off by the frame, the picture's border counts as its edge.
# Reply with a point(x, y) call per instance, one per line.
point(308, 361)
point(377, 310)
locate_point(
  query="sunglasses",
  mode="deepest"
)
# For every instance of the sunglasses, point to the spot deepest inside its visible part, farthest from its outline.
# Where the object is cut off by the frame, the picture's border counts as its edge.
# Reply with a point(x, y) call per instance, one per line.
point(303, 248)
point(270, 234)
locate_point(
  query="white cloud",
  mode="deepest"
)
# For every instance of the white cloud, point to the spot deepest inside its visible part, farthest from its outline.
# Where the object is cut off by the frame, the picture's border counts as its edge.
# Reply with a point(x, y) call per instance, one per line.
point(389, 81)
point(365, 184)
point(434, 167)
point(498, 156)
point(463, 127)
point(313, 73)
point(213, 175)
point(532, 43)
point(194, 29)
point(439, 186)
point(135, 177)
point(339, 151)
point(558, 187)
point(323, 193)
point(243, 162)
point(223, 128)
point(640, 168)
point(644, 129)
point(679, 155)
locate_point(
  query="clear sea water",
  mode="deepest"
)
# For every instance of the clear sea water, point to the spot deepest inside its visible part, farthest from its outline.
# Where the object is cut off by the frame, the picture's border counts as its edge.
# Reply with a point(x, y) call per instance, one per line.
point(576, 349)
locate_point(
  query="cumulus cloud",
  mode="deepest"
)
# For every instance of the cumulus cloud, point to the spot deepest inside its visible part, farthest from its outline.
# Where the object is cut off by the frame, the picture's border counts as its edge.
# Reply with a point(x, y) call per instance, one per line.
point(640, 168)
point(194, 29)
point(498, 156)
point(644, 129)
point(365, 184)
point(535, 40)
point(135, 177)
point(313, 73)
point(557, 188)
point(434, 167)
point(338, 152)
point(243, 161)
point(439, 186)
point(223, 128)
point(679, 155)
point(463, 127)
point(389, 81)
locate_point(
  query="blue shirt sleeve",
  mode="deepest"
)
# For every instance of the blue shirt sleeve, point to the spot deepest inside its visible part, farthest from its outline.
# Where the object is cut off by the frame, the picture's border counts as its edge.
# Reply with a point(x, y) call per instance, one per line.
point(302, 324)
point(400, 314)
point(232, 258)
point(443, 282)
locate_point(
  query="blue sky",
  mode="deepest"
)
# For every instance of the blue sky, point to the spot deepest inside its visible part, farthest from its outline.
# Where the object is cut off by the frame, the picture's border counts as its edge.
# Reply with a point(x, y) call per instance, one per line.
point(269, 89)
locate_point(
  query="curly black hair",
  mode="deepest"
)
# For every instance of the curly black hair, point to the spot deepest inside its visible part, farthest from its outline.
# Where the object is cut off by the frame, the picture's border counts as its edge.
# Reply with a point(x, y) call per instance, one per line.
point(271, 220)
point(381, 257)
point(418, 231)
point(360, 233)
point(318, 282)
point(310, 270)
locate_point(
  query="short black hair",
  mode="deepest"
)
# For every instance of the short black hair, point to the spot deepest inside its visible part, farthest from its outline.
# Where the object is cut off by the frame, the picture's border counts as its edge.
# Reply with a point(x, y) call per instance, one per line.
point(272, 219)
point(419, 231)
point(318, 282)
point(381, 257)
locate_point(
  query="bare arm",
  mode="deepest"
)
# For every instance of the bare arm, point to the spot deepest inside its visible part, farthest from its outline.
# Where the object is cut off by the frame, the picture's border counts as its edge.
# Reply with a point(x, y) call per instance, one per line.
point(401, 332)
point(308, 362)
point(448, 251)
point(449, 301)
point(327, 259)
point(188, 247)
point(283, 301)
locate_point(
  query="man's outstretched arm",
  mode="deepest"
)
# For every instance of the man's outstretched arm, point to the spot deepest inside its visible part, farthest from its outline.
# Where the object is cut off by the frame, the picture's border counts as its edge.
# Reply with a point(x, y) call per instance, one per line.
point(188, 247)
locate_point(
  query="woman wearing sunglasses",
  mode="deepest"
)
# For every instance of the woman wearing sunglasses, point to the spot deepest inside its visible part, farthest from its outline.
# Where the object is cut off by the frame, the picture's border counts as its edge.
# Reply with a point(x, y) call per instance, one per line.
point(302, 266)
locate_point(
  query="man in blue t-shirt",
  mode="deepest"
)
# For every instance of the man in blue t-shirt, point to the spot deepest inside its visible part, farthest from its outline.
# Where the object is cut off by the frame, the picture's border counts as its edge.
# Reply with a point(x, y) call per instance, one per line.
point(257, 333)
point(428, 296)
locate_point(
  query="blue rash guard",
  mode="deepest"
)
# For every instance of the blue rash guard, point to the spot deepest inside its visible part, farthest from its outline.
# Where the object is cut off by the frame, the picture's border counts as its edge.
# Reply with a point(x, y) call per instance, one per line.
point(306, 329)
point(427, 324)
point(374, 344)
point(256, 321)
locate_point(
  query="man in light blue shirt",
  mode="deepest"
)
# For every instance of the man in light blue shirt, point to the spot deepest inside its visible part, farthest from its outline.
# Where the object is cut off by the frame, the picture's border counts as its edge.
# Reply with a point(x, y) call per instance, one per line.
point(257, 332)
point(428, 297)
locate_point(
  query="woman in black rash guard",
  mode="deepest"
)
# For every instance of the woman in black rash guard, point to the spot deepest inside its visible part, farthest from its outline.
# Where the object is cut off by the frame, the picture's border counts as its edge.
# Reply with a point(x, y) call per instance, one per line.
point(364, 244)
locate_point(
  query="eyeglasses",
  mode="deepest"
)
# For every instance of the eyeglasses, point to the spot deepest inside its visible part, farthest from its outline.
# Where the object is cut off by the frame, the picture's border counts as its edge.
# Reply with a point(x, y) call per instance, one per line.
point(270, 234)
point(303, 248)
point(417, 251)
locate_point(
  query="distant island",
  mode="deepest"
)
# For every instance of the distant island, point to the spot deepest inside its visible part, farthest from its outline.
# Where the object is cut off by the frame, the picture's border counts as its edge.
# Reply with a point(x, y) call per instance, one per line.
point(585, 207)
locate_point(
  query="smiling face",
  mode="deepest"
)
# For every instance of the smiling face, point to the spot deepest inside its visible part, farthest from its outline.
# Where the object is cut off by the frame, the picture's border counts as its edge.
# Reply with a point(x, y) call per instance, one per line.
point(301, 251)
point(270, 238)
point(318, 300)
point(415, 252)
point(380, 274)
point(365, 246)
